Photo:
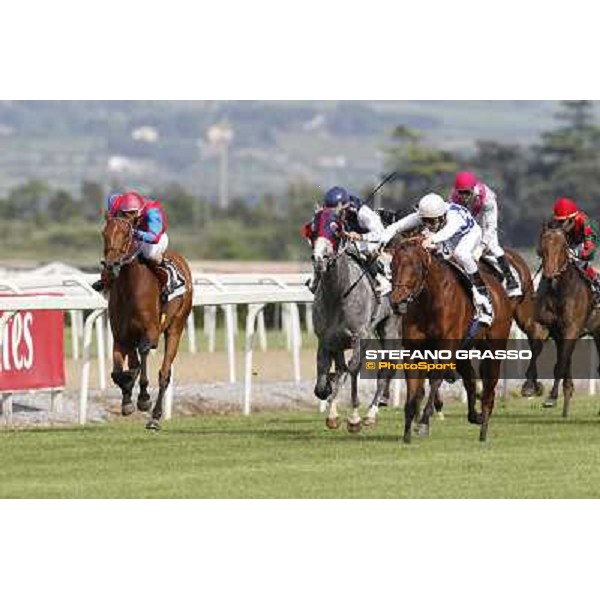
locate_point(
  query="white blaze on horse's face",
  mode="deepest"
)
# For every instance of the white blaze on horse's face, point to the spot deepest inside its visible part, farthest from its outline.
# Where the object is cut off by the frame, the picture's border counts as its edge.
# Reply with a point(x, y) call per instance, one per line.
point(322, 250)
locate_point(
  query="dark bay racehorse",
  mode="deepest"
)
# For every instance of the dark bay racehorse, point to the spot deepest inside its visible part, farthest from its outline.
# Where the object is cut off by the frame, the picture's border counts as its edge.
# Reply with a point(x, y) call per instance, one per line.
point(439, 312)
point(137, 318)
point(345, 311)
point(565, 306)
point(524, 313)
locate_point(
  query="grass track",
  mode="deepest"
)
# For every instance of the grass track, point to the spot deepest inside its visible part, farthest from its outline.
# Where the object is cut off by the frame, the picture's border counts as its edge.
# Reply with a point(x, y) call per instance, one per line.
point(531, 452)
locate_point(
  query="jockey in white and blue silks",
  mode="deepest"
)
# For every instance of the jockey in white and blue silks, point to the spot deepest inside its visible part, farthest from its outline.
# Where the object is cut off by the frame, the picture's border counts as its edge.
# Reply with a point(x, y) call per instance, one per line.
point(452, 228)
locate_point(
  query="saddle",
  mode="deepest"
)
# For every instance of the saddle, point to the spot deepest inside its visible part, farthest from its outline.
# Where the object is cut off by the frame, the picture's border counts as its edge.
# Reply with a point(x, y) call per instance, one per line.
point(463, 279)
point(171, 280)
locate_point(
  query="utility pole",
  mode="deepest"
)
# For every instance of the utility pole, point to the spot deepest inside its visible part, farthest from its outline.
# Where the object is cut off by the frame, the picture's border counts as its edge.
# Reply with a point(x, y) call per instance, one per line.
point(220, 136)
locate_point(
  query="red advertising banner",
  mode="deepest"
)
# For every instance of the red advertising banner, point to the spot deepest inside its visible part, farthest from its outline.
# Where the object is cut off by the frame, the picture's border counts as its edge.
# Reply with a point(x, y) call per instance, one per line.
point(32, 351)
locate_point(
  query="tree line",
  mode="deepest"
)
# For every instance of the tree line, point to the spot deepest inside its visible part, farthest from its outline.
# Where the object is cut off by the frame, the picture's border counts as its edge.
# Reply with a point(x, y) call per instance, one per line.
point(565, 161)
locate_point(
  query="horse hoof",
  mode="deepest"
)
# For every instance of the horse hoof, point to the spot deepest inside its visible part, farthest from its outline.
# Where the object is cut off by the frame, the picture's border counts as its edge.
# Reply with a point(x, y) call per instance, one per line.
point(475, 419)
point(528, 389)
point(539, 389)
point(353, 427)
point(144, 404)
point(441, 416)
point(153, 425)
point(549, 403)
point(369, 422)
point(406, 438)
point(332, 422)
point(423, 430)
point(127, 409)
point(383, 403)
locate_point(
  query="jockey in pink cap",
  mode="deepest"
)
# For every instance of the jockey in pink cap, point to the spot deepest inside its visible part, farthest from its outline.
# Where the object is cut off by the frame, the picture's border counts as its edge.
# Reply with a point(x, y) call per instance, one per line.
point(482, 204)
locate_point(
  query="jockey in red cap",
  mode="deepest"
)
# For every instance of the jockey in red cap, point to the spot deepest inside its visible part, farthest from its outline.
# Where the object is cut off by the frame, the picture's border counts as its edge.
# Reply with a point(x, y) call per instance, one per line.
point(150, 228)
point(481, 202)
point(582, 235)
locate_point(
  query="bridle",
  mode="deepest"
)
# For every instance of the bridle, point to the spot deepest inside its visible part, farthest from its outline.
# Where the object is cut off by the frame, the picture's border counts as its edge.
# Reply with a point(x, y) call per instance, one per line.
point(424, 267)
point(566, 262)
point(132, 248)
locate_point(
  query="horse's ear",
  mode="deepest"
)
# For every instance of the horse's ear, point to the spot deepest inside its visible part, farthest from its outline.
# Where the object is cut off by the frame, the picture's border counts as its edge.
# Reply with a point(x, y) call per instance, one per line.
point(569, 225)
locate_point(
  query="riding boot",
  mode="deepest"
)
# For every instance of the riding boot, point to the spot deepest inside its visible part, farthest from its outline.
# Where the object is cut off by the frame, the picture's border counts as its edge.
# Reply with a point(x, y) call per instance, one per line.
point(511, 282)
point(482, 299)
point(103, 283)
point(384, 275)
point(164, 278)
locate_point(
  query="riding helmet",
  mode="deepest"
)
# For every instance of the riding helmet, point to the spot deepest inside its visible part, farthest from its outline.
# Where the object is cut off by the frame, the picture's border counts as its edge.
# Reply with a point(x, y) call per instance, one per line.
point(335, 196)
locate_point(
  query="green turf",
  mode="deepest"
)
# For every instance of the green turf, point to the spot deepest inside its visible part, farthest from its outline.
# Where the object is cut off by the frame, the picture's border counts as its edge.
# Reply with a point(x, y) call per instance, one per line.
point(531, 452)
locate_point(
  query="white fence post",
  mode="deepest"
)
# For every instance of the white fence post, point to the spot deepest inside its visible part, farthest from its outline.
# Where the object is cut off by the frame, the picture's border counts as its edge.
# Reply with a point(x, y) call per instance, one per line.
point(191, 332)
point(7, 407)
point(210, 326)
point(74, 334)
point(230, 340)
point(261, 329)
point(101, 352)
point(85, 368)
point(253, 310)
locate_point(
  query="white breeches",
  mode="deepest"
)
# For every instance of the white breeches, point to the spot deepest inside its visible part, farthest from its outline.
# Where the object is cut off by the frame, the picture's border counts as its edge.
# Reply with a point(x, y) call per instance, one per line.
point(155, 251)
point(490, 242)
point(464, 248)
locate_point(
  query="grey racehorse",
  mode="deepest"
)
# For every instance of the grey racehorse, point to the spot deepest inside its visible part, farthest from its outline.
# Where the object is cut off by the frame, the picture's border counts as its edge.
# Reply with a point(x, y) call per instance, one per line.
point(346, 310)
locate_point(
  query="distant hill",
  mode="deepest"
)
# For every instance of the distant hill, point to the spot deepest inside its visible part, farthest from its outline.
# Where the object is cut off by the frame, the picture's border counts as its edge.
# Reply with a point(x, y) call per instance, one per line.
point(151, 143)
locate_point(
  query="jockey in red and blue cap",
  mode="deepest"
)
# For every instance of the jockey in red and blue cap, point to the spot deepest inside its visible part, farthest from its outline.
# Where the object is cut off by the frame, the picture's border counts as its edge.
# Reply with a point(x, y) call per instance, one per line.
point(150, 227)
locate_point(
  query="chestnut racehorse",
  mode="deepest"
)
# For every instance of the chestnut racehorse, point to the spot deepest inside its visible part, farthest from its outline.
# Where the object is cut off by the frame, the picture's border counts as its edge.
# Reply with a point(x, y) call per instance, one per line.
point(439, 312)
point(137, 318)
point(565, 307)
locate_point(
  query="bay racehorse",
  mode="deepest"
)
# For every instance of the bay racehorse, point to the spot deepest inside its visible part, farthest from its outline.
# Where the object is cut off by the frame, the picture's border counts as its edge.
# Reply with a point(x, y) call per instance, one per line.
point(524, 313)
point(565, 306)
point(439, 313)
point(138, 318)
point(346, 310)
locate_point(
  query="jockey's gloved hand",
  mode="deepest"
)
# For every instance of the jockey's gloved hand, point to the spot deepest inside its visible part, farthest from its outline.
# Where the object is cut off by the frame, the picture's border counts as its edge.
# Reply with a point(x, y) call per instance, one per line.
point(138, 235)
point(428, 243)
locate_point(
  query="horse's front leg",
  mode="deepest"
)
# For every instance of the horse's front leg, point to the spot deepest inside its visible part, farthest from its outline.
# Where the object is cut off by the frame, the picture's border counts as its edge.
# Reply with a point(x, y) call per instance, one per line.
point(125, 380)
point(466, 371)
point(532, 386)
point(415, 390)
point(490, 372)
point(144, 402)
point(337, 380)
point(434, 386)
point(172, 337)
point(550, 402)
point(354, 423)
point(568, 387)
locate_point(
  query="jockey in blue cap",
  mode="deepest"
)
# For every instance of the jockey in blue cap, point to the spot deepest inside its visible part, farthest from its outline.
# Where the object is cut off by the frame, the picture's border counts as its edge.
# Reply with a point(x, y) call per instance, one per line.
point(359, 218)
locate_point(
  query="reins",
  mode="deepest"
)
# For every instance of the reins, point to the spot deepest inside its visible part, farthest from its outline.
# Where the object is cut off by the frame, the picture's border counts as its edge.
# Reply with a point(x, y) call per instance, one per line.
point(425, 265)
